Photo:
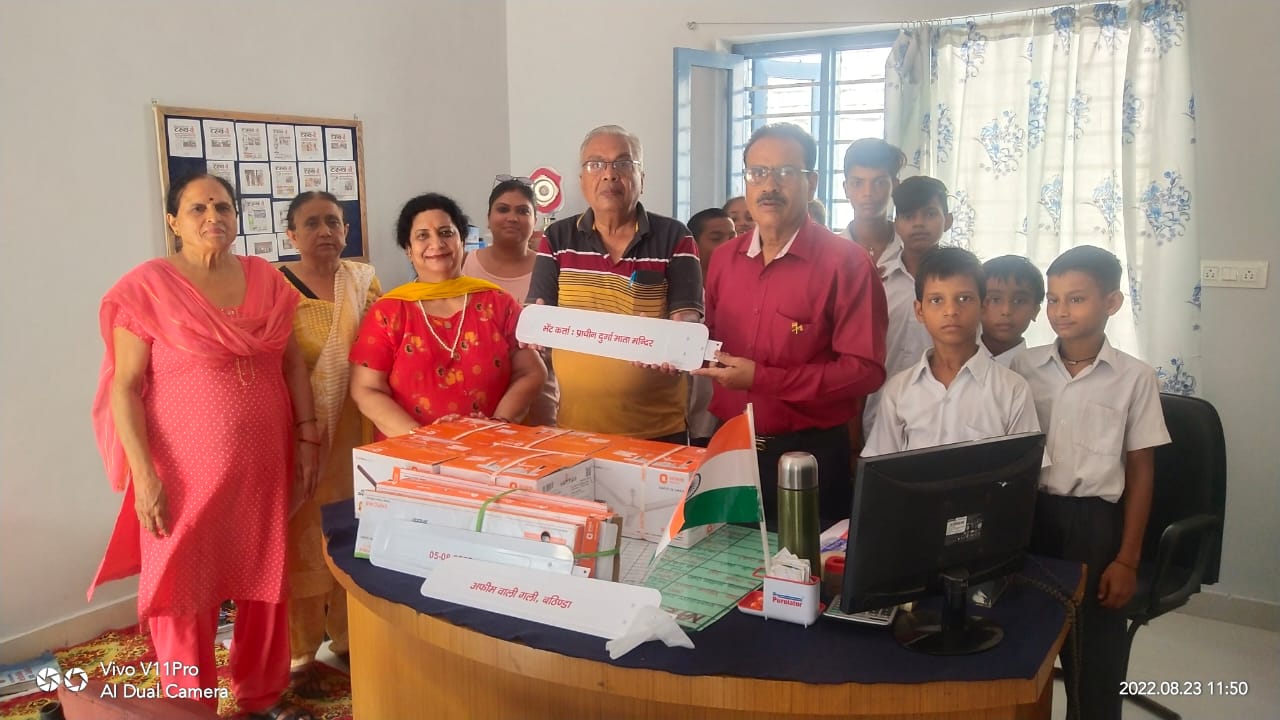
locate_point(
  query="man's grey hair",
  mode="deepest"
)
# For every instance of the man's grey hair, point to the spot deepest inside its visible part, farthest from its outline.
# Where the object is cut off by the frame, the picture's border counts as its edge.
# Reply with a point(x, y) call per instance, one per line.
point(633, 142)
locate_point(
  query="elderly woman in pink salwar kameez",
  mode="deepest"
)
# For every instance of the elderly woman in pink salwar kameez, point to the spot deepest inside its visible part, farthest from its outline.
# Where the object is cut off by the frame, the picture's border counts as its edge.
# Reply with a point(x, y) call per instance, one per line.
point(205, 419)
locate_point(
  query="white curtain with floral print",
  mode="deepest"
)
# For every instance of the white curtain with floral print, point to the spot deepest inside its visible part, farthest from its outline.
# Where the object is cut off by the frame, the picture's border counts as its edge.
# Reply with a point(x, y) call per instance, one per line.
point(1064, 127)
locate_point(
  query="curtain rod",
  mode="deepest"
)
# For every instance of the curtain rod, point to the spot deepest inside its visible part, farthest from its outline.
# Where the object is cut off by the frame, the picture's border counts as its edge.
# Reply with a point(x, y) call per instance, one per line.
point(695, 24)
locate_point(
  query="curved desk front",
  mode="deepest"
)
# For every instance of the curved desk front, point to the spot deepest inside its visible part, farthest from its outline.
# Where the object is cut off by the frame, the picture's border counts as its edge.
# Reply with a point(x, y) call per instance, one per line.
point(415, 657)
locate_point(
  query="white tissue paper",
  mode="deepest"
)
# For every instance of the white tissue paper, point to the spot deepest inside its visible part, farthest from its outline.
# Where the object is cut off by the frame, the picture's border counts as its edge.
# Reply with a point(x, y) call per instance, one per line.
point(649, 623)
point(787, 566)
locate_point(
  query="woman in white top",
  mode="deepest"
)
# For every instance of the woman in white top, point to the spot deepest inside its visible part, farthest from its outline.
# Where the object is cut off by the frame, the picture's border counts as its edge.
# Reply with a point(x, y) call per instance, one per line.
point(508, 263)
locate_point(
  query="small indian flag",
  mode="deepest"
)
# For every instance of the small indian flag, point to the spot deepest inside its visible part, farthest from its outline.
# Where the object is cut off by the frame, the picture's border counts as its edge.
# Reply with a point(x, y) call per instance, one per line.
point(726, 487)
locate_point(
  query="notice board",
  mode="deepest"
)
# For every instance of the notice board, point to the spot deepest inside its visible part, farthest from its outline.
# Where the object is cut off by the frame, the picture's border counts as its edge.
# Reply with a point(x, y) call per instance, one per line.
point(269, 159)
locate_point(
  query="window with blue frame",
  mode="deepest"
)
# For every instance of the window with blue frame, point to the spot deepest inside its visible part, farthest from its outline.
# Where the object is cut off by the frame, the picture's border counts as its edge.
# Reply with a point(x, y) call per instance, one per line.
point(833, 87)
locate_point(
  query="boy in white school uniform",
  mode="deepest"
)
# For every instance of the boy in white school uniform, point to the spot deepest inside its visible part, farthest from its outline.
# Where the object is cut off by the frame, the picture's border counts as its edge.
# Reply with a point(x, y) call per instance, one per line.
point(871, 168)
point(1015, 290)
point(922, 217)
point(1101, 411)
point(955, 391)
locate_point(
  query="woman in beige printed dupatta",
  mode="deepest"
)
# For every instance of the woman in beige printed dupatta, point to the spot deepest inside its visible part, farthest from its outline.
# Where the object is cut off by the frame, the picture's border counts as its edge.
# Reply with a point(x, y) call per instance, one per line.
point(336, 293)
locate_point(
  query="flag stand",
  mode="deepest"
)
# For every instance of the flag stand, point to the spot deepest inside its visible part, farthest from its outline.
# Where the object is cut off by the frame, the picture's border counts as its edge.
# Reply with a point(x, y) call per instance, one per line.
point(764, 533)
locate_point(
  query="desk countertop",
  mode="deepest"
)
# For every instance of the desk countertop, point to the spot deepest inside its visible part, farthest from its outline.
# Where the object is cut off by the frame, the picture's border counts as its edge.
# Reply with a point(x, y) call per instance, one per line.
point(740, 645)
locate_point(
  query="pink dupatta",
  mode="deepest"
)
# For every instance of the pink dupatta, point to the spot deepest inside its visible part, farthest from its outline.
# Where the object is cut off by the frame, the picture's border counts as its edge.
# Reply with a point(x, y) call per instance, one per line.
point(170, 310)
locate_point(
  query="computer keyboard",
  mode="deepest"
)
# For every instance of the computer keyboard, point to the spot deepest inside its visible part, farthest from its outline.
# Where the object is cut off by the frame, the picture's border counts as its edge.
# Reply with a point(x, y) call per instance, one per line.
point(881, 616)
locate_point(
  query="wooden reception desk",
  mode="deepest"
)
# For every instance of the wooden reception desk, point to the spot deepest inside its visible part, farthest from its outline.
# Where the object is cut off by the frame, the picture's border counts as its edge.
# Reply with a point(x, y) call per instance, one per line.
point(405, 664)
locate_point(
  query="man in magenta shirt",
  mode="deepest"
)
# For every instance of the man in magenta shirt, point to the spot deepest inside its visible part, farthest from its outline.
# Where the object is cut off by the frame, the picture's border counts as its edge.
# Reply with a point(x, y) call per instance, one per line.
point(802, 316)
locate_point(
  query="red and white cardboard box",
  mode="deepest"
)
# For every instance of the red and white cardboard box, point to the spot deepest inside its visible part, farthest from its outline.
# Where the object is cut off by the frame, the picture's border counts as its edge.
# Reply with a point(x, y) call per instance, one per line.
point(578, 442)
point(513, 435)
point(456, 429)
point(587, 528)
point(642, 480)
point(524, 468)
point(377, 462)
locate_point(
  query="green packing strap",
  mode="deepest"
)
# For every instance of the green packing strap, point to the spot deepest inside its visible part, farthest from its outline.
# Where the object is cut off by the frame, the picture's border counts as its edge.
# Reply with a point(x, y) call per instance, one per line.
point(485, 505)
point(601, 553)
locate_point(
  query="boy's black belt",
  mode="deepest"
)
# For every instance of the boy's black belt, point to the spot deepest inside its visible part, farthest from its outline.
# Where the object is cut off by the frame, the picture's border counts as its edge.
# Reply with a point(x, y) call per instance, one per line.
point(801, 439)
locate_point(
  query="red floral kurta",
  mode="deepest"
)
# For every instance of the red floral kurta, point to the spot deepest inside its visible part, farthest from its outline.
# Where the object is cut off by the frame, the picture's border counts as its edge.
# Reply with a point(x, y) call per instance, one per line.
point(425, 380)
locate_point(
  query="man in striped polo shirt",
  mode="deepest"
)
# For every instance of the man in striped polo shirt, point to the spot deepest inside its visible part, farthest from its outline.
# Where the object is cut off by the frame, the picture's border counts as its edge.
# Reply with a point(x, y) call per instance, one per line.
point(618, 257)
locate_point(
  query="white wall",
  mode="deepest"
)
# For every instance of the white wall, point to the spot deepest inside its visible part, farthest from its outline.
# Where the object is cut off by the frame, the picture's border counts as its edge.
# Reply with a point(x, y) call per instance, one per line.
point(612, 62)
point(79, 193)
point(1237, 103)
point(80, 198)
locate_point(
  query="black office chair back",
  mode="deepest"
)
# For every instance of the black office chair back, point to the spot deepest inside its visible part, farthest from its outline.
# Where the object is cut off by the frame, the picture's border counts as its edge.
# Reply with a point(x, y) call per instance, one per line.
point(1190, 479)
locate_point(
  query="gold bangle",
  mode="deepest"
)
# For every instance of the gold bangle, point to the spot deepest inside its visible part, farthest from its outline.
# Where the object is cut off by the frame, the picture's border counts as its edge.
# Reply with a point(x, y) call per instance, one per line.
point(300, 423)
point(1122, 563)
point(309, 442)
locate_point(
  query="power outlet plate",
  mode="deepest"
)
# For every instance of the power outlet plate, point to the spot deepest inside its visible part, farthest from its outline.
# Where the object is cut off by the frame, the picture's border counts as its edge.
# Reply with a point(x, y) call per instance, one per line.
point(1233, 273)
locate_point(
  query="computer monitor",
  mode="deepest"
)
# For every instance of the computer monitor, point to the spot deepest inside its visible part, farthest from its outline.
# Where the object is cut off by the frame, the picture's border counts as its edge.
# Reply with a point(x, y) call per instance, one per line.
point(934, 521)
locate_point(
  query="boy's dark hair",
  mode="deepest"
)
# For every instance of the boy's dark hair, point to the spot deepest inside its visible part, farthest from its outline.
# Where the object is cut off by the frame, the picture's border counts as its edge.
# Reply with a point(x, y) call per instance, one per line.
point(944, 262)
point(874, 153)
point(787, 131)
point(1018, 270)
point(1093, 261)
point(699, 221)
point(915, 192)
point(423, 203)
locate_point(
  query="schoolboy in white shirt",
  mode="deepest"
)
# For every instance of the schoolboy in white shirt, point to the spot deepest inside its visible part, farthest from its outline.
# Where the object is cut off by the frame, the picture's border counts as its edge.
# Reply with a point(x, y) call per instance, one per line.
point(1101, 411)
point(871, 168)
point(1015, 290)
point(922, 217)
point(956, 391)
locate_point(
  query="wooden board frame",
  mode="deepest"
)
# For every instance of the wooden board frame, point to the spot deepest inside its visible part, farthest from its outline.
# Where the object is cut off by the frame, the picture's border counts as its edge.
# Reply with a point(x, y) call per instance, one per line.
point(355, 211)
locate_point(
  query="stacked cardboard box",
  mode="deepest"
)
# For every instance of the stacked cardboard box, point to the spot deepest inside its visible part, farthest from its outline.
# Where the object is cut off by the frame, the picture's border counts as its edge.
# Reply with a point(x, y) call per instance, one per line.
point(640, 480)
point(586, 527)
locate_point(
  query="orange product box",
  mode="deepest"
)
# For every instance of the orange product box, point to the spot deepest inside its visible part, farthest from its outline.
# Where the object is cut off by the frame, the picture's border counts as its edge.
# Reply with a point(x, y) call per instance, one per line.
point(376, 462)
point(642, 480)
point(599, 526)
point(384, 505)
point(513, 435)
point(523, 468)
point(456, 429)
point(665, 482)
point(578, 442)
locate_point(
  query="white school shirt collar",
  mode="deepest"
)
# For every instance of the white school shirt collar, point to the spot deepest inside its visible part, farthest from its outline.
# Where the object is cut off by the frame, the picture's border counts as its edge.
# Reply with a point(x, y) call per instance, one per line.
point(754, 248)
point(890, 260)
point(979, 366)
point(1006, 357)
point(1049, 354)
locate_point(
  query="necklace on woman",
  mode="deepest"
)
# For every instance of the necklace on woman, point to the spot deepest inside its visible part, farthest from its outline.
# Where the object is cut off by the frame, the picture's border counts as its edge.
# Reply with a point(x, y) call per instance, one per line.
point(451, 349)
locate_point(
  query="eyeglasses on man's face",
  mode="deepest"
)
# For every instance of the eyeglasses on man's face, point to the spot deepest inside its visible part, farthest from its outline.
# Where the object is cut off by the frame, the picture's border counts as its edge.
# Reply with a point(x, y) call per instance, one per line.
point(784, 173)
point(619, 166)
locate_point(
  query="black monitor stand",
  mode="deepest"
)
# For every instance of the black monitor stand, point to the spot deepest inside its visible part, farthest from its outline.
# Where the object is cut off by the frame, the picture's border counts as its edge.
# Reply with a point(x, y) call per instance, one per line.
point(949, 632)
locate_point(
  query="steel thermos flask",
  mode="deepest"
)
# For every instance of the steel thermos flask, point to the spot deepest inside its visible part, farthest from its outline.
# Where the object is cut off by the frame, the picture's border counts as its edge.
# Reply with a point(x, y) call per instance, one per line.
point(798, 523)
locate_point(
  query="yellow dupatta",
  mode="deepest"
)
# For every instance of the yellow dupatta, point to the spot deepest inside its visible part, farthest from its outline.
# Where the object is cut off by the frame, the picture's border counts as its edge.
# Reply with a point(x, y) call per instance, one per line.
point(454, 287)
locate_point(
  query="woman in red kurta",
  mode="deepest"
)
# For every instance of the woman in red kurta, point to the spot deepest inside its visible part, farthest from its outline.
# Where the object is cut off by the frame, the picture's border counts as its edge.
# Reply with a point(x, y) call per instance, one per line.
point(195, 418)
point(444, 345)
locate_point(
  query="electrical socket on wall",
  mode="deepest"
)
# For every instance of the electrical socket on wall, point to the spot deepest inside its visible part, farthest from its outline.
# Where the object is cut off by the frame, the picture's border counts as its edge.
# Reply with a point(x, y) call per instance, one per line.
point(1233, 273)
